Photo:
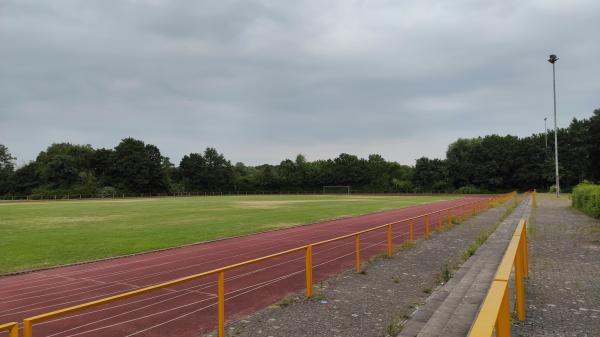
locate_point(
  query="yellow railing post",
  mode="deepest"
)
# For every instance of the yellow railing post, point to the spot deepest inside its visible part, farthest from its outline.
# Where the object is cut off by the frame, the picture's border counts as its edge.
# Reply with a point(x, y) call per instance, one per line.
point(525, 251)
point(389, 238)
point(534, 199)
point(27, 328)
point(221, 285)
point(309, 281)
point(14, 331)
point(503, 320)
point(357, 238)
point(410, 231)
point(427, 227)
point(12, 328)
point(519, 286)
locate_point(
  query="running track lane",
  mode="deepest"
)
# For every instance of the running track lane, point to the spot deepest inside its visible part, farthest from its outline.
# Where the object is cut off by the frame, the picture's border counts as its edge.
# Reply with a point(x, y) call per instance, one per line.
point(190, 309)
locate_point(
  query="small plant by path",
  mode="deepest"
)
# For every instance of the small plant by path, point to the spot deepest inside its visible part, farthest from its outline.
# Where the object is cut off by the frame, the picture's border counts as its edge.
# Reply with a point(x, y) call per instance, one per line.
point(393, 329)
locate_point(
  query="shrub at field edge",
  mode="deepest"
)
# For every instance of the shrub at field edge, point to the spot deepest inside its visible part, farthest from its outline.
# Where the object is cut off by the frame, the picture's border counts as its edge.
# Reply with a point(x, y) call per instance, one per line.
point(586, 197)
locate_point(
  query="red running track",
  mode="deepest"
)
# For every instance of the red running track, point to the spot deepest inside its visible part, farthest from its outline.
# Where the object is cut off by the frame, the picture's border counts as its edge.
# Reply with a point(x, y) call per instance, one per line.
point(190, 309)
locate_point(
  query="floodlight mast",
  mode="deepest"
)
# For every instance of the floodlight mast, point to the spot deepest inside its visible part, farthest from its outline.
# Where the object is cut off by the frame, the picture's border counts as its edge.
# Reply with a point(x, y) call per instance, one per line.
point(552, 59)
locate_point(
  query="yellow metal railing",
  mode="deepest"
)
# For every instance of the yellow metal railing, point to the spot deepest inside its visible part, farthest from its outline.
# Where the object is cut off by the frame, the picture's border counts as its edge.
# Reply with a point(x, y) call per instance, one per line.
point(495, 309)
point(12, 328)
point(469, 209)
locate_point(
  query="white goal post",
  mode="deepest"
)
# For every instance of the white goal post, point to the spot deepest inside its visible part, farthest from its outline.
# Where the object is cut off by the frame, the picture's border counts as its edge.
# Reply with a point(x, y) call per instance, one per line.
point(336, 190)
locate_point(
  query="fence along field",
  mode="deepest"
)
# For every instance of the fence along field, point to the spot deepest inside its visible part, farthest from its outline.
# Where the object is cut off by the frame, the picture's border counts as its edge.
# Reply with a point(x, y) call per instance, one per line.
point(433, 219)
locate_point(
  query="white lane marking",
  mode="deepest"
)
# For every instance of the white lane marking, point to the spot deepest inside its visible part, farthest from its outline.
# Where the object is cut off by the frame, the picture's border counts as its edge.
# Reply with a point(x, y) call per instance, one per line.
point(251, 287)
point(297, 230)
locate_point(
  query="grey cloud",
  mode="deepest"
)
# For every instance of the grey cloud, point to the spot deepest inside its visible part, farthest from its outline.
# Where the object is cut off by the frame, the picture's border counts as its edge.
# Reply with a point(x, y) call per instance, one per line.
point(264, 80)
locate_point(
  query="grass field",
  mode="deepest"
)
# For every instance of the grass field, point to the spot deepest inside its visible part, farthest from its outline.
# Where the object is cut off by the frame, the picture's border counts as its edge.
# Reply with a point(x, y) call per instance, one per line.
point(42, 234)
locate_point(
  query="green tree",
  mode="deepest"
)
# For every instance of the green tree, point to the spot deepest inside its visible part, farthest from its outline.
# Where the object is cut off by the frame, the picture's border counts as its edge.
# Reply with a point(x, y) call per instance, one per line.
point(138, 167)
point(66, 167)
point(210, 171)
point(219, 172)
point(244, 177)
point(593, 142)
point(25, 179)
point(349, 170)
point(431, 175)
point(266, 178)
point(191, 169)
point(102, 167)
point(287, 174)
point(7, 168)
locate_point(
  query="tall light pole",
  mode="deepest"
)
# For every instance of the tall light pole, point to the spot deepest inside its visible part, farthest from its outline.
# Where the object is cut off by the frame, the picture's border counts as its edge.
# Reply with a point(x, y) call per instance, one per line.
point(552, 59)
point(546, 131)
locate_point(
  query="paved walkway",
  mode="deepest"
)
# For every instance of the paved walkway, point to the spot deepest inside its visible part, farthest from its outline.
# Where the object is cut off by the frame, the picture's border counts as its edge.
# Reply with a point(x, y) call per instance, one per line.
point(374, 303)
point(563, 290)
point(451, 310)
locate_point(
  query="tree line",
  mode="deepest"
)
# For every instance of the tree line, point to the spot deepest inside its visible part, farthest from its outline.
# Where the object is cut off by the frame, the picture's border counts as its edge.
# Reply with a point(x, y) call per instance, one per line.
point(134, 167)
point(503, 163)
point(485, 164)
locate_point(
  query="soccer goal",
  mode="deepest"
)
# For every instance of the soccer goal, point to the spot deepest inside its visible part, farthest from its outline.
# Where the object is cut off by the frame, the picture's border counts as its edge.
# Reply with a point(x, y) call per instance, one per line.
point(336, 190)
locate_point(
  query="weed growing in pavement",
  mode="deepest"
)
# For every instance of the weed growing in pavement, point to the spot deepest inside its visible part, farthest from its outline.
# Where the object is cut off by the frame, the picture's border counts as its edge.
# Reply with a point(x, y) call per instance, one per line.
point(427, 290)
point(287, 301)
point(371, 261)
point(446, 272)
point(473, 246)
point(470, 250)
point(408, 244)
point(393, 329)
point(235, 331)
point(317, 297)
point(532, 228)
point(514, 321)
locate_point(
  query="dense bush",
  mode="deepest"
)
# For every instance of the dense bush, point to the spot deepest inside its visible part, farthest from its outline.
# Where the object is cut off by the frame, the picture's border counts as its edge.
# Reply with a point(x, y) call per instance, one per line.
point(586, 197)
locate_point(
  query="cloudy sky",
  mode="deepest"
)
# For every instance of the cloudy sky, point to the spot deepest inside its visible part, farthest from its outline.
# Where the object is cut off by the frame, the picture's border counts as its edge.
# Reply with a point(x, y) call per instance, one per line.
point(265, 80)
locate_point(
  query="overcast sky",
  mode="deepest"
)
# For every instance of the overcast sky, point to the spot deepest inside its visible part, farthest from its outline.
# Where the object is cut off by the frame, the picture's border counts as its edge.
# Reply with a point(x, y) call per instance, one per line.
point(265, 80)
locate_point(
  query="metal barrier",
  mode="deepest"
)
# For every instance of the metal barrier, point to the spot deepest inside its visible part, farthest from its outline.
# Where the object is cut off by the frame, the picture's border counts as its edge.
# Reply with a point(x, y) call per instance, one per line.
point(12, 328)
point(495, 309)
point(463, 211)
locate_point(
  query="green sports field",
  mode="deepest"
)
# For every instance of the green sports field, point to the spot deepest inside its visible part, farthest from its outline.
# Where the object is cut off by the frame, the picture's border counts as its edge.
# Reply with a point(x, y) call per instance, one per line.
point(48, 233)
